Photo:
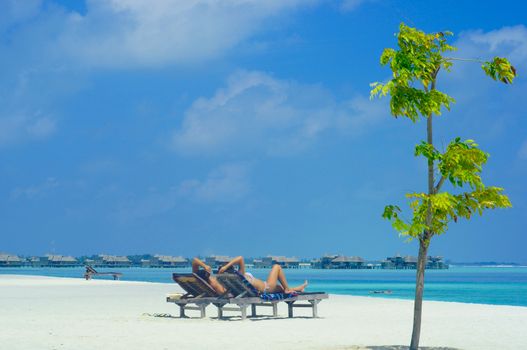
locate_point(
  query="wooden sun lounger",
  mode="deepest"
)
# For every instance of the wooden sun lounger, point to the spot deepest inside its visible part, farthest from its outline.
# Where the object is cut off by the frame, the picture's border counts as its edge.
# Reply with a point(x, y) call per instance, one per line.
point(245, 295)
point(90, 272)
point(198, 293)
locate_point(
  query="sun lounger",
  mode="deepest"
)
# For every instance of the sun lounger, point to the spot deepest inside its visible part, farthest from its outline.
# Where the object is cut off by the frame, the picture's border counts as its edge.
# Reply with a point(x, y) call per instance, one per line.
point(243, 294)
point(198, 293)
point(90, 272)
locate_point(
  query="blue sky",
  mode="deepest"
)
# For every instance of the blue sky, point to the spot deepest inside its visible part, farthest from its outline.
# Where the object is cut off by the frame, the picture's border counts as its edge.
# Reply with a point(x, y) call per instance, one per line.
point(192, 127)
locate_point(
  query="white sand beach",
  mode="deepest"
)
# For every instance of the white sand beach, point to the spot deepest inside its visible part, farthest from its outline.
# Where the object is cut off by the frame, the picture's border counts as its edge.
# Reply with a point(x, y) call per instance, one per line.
point(62, 313)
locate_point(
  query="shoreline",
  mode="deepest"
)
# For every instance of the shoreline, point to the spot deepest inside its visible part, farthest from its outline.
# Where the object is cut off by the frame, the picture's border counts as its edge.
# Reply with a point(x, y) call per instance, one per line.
point(168, 281)
point(173, 284)
point(71, 313)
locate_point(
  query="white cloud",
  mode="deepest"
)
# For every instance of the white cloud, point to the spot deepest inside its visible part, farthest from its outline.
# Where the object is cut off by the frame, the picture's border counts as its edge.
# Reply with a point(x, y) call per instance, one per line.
point(509, 40)
point(45, 46)
point(256, 112)
point(35, 191)
point(131, 33)
point(227, 183)
point(121, 33)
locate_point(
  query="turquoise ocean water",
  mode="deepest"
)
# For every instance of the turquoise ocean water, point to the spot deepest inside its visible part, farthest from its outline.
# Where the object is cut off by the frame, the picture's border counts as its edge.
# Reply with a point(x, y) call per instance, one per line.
point(484, 285)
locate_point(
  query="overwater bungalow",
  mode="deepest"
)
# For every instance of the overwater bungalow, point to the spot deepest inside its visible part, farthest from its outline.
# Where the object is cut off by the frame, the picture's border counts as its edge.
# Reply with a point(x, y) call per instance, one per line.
point(325, 261)
point(436, 262)
point(59, 261)
point(88, 261)
point(146, 263)
point(112, 261)
point(315, 264)
point(215, 261)
point(372, 265)
point(9, 260)
point(258, 263)
point(387, 264)
point(399, 262)
point(347, 262)
point(284, 261)
point(169, 261)
point(410, 262)
point(36, 261)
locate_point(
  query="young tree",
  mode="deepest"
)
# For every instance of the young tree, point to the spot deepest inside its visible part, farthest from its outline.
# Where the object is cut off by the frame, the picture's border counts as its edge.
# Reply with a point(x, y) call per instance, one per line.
point(413, 94)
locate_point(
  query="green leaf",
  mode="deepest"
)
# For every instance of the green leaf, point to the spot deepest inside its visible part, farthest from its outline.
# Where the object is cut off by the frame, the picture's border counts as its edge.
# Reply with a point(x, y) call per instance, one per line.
point(428, 151)
point(500, 69)
point(391, 211)
point(462, 163)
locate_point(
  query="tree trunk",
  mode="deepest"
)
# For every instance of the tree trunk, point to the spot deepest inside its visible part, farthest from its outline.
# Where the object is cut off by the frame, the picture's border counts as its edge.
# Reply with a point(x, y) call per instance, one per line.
point(424, 241)
point(419, 288)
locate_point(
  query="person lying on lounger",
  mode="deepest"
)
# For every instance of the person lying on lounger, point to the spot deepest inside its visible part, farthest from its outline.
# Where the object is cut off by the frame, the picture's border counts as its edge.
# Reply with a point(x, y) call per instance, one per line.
point(275, 283)
point(204, 271)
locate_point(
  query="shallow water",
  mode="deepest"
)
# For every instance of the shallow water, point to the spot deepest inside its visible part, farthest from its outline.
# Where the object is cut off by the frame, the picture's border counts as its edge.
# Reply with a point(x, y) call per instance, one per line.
point(484, 285)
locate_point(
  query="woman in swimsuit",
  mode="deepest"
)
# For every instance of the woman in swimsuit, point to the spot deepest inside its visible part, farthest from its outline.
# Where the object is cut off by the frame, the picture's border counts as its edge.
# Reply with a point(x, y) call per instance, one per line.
point(275, 283)
point(204, 271)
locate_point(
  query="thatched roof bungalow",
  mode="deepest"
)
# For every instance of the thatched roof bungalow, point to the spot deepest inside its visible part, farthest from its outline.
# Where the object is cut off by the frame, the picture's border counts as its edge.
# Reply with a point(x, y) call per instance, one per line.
point(59, 261)
point(347, 262)
point(216, 261)
point(169, 261)
point(284, 261)
point(400, 262)
point(112, 261)
point(10, 260)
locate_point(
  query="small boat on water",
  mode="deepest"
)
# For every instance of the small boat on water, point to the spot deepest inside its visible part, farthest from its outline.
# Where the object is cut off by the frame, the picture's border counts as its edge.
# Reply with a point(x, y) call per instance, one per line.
point(381, 291)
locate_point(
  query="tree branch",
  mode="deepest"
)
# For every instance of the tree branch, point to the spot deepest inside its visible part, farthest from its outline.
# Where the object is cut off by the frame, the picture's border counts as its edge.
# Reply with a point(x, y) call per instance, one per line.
point(439, 184)
point(463, 59)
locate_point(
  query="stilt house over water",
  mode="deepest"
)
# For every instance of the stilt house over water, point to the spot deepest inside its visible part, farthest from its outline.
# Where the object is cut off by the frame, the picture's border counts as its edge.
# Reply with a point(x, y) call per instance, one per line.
point(9, 260)
point(59, 261)
point(169, 261)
